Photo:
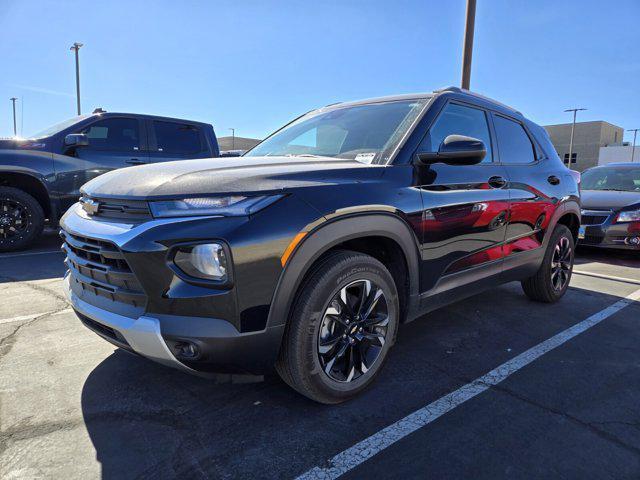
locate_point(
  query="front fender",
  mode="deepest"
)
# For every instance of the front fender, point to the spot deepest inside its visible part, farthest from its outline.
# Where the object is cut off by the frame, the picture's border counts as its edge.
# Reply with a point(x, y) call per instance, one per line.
point(331, 233)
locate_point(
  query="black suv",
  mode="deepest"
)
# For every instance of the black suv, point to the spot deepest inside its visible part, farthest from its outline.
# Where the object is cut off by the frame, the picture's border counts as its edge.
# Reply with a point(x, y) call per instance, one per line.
point(308, 252)
point(40, 177)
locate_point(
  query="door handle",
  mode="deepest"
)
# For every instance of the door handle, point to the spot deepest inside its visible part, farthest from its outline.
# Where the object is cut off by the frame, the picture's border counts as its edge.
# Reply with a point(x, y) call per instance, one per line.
point(497, 182)
point(553, 180)
point(134, 161)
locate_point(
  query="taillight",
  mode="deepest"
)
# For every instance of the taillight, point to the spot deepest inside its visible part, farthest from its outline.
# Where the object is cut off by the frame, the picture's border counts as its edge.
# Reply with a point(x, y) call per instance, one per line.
point(576, 175)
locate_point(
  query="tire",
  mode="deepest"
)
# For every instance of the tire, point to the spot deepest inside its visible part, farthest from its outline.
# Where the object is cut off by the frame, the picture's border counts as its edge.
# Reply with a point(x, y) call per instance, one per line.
point(543, 286)
point(320, 328)
point(21, 219)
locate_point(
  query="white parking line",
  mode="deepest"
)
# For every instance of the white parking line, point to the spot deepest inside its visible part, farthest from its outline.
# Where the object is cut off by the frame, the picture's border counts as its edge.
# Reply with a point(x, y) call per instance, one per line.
point(24, 254)
point(606, 277)
point(367, 448)
point(25, 318)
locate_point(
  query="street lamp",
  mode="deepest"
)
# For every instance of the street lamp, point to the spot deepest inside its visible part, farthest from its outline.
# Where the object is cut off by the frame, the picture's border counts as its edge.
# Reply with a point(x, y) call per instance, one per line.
point(76, 47)
point(573, 126)
point(633, 149)
point(233, 138)
point(15, 131)
point(468, 44)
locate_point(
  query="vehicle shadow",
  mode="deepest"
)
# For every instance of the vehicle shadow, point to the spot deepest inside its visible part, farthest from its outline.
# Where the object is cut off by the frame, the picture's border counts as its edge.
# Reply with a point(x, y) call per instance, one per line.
point(149, 421)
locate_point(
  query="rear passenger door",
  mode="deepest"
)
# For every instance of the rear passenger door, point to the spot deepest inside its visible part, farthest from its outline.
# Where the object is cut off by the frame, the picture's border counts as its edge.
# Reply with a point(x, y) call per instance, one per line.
point(534, 188)
point(171, 140)
point(465, 206)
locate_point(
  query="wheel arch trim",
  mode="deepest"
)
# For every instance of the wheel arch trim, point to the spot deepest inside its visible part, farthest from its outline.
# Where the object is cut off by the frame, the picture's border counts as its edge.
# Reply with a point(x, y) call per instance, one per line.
point(327, 235)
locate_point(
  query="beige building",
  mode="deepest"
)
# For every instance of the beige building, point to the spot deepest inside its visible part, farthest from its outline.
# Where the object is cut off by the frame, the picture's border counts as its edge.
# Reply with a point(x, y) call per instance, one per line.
point(239, 143)
point(588, 138)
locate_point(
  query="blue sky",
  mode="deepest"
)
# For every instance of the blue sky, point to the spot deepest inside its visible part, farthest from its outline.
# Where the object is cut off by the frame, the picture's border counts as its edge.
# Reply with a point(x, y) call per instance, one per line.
point(253, 65)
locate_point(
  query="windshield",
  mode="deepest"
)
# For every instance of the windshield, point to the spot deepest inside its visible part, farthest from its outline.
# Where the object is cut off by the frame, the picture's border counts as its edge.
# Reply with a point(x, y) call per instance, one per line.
point(58, 127)
point(366, 133)
point(623, 179)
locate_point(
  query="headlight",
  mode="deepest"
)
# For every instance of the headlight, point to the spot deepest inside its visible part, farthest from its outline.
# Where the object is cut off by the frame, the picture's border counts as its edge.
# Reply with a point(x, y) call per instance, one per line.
point(207, 261)
point(629, 216)
point(231, 206)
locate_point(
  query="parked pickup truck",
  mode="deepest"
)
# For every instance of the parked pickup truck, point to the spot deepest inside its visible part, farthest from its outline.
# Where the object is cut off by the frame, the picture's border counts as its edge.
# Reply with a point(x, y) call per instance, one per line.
point(40, 177)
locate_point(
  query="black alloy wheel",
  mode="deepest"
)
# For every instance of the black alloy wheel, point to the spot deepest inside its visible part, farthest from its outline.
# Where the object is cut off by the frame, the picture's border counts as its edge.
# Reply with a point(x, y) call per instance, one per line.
point(353, 331)
point(561, 264)
point(21, 219)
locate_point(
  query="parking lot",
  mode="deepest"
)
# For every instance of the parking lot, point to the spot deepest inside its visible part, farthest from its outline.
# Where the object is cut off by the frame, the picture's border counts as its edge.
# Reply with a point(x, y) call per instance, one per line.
point(73, 407)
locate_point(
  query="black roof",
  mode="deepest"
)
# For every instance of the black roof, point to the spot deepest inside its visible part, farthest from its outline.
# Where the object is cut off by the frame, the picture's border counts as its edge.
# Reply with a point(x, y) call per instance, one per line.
point(454, 92)
point(144, 115)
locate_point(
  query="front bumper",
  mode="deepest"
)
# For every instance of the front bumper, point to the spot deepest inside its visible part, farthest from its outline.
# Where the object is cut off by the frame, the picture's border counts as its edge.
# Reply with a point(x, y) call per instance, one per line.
point(217, 321)
point(610, 235)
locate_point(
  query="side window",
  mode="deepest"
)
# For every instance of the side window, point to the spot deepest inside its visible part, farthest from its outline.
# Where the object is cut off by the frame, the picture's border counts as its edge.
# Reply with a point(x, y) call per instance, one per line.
point(459, 120)
point(513, 141)
point(177, 137)
point(119, 134)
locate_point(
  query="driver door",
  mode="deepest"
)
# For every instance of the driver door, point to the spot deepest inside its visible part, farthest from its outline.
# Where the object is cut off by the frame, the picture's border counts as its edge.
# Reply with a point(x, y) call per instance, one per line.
point(465, 207)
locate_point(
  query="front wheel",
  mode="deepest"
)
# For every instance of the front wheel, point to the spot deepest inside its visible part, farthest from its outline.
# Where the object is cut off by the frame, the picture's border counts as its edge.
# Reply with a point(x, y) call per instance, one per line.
point(341, 328)
point(551, 280)
point(21, 219)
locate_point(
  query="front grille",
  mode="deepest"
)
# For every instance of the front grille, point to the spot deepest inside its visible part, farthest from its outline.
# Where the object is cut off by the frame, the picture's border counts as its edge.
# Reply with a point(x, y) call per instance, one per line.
point(592, 239)
point(100, 267)
point(593, 219)
point(133, 210)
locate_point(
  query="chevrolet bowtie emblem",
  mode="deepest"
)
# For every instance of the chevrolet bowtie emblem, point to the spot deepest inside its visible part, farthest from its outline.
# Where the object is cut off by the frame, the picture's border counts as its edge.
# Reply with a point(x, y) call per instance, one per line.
point(90, 206)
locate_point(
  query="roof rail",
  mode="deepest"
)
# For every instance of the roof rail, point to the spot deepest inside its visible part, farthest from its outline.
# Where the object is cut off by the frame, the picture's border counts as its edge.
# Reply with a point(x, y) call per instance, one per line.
point(474, 94)
point(99, 110)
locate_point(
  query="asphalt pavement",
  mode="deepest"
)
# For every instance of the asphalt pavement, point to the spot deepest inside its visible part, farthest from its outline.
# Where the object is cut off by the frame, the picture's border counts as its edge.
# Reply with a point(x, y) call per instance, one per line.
point(72, 406)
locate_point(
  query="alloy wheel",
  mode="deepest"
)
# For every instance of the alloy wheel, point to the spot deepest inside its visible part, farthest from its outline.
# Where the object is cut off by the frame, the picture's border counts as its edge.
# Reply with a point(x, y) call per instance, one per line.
point(353, 331)
point(561, 264)
point(14, 219)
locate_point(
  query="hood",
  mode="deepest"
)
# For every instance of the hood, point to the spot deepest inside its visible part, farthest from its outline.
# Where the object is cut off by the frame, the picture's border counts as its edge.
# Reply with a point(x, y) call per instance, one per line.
point(226, 175)
point(608, 199)
point(22, 144)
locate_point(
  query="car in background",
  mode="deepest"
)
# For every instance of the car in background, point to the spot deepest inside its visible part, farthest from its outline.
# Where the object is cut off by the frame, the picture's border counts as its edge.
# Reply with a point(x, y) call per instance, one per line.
point(40, 177)
point(611, 206)
point(306, 253)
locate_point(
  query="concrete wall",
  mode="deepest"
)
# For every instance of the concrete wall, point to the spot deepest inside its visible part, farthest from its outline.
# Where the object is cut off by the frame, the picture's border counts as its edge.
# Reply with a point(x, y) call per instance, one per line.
point(618, 153)
point(587, 140)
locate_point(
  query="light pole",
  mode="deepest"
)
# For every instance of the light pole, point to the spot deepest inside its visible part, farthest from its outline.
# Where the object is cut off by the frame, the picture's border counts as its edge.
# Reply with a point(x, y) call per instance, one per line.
point(76, 47)
point(233, 138)
point(633, 149)
point(15, 131)
point(467, 51)
point(573, 127)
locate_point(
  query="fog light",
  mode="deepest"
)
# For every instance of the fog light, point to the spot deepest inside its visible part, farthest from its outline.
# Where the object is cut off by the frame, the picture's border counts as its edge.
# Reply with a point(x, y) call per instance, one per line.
point(632, 241)
point(187, 350)
point(207, 261)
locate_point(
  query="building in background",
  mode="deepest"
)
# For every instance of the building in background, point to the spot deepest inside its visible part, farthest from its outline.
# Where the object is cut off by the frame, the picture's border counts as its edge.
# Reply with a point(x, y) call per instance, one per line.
point(588, 139)
point(619, 154)
point(240, 143)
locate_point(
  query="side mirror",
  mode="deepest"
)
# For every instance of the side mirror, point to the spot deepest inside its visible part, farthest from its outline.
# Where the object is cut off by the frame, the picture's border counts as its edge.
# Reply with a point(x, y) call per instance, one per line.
point(456, 150)
point(76, 140)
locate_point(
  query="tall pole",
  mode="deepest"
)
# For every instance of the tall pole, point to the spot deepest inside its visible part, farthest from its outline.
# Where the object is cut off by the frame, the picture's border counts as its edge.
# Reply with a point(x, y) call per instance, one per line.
point(633, 149)
point(233, 138)
point(468, 44)
point(76, 47)
point(573, 127)
point(15, 130)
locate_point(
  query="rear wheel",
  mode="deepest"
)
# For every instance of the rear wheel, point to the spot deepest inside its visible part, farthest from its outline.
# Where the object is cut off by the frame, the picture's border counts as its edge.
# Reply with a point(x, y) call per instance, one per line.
point(551, 280)
point(21, 219)
point(341, 328)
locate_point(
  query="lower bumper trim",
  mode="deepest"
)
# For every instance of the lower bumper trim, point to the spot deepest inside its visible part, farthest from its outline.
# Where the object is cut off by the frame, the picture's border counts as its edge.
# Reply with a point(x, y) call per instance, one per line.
point(142, 334)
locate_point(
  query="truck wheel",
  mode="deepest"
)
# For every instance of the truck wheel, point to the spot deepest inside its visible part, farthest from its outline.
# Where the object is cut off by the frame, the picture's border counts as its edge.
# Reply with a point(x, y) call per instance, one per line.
point(21, 219)
point(342, 325)
point(551, 280)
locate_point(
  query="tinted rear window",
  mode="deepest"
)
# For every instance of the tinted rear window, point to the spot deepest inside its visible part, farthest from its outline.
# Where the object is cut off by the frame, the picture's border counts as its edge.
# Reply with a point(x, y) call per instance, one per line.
point(177, 137)
point(513, 142)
